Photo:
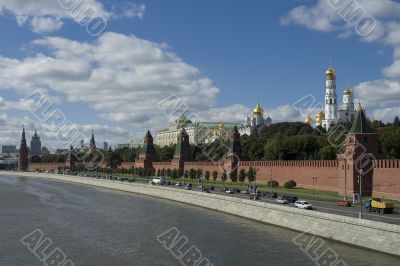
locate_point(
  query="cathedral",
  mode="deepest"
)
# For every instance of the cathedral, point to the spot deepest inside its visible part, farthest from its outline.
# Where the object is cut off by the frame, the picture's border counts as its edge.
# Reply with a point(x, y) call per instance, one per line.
point(333, 113)
point(256, 122)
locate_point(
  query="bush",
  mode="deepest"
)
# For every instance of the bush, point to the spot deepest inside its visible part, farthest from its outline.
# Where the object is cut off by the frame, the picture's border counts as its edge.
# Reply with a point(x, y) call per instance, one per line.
point(290, 184)
point(274, 183)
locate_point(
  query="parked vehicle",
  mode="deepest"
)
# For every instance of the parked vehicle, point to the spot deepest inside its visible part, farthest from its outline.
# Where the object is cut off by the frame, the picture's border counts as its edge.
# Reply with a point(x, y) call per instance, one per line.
point(224, 189)
point(291, 199)
point(377, 205)
point(282, 201)
point(189, 186)
point(302, 204)
point(344, 203)
point(178, 184)
point(251, 196)
point(236, 190)
point(245, 191)
point(158, 180)
point(211, 188)
point(230, 191)
point(268, 194)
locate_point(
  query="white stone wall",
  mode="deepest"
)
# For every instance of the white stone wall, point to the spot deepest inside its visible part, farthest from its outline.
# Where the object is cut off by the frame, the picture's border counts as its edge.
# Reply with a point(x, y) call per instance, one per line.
point(364, 233)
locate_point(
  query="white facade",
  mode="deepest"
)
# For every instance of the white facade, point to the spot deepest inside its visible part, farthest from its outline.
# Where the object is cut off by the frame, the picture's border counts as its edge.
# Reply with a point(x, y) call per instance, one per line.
point(254, 122)
point(332, 115)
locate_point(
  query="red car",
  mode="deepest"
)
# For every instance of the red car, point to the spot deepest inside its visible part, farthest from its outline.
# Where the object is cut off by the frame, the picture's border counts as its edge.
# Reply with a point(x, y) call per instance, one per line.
point(344, 203)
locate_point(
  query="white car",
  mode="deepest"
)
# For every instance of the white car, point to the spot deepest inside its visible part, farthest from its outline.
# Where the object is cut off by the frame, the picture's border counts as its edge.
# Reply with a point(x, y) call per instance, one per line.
point(302, 204)
point(282, 201)
point(158, 180)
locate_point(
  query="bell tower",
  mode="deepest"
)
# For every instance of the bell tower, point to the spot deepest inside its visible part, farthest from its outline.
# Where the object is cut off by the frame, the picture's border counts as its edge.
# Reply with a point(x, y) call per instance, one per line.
point(331, 110)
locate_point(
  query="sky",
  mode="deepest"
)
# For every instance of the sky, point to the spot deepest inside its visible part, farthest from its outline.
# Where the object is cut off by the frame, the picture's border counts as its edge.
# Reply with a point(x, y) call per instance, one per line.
point(122, 67)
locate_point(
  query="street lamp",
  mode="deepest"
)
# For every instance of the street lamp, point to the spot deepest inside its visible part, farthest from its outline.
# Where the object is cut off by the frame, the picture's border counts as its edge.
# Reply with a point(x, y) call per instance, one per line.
point(255, 183)
point(314, 180)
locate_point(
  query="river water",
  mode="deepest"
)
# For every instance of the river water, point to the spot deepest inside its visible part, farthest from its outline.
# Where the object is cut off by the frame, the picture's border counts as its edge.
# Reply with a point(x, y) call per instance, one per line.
point(93, 226)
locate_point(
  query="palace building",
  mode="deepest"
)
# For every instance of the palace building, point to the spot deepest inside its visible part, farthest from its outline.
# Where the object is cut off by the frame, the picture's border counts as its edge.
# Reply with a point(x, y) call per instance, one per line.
point(207, 132)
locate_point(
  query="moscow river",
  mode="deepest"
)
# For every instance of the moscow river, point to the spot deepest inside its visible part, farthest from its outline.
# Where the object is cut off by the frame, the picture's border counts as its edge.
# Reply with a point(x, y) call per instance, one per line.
point(83, 225)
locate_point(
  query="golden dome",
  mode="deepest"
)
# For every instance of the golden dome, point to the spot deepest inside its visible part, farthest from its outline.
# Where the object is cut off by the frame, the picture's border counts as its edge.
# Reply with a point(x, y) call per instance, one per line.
point(308, 121)
point(319, 117)
point(258, 110)
point(330, 73)
point(221, 125)
point(348, 91)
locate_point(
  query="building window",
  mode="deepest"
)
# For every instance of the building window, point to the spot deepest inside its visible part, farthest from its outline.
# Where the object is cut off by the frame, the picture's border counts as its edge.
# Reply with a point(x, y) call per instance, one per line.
point(330, 101)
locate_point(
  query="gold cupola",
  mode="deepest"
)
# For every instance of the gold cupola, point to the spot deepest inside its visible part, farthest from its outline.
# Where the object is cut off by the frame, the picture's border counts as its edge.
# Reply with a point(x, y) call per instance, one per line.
point(348, 91)
point(258, 111)
point(330, 73)
point(319, 117)
point(308, 121)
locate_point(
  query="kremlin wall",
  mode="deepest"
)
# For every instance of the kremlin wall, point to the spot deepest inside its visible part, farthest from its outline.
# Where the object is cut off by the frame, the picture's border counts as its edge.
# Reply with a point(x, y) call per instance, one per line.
point(381, 177)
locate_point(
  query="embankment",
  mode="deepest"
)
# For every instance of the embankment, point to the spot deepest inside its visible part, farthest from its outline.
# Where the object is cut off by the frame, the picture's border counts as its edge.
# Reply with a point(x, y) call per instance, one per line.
point(364, 233)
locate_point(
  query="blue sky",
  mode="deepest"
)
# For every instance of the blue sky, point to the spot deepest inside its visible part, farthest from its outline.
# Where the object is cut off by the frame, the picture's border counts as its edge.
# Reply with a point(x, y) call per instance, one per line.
point(221, 58)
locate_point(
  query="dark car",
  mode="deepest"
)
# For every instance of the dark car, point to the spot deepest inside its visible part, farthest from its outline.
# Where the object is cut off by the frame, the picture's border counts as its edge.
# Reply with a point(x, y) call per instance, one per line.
point(211, 188)
point(236, 190)
point(291, 199)
point(224, 189)
point(274, 195)
point(189, 186)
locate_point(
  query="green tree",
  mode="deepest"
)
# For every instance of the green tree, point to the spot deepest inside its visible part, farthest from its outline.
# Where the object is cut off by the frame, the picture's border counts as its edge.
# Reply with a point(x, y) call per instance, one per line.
point(207, 175)
point(242, 175)
point(396, 122)
point(327, 153)
point(215, 175)
point(199, 173)
point(251, 175)
point(192, 173)
point(224, 176)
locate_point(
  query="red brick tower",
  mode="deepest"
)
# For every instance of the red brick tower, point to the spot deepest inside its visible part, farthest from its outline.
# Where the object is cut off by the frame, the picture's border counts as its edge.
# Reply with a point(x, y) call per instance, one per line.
point(23, 154)
point(235, 154)
point(148, 155)
point(182, 151)
point(358, 158)
point(71, 159)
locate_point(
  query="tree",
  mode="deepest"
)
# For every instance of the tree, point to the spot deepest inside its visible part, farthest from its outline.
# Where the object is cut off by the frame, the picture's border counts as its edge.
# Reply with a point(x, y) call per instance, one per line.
point(192, 173)
point(327, 153)
point(186, 175)
point(207, 175)
point(199, 173)
point(396, 122)
point(224, 176)
point(158, 172)
point(273, 182)
point(251, 175)
point(290, 184)
point(174, 174)
point(215, 175)
point(242, 175)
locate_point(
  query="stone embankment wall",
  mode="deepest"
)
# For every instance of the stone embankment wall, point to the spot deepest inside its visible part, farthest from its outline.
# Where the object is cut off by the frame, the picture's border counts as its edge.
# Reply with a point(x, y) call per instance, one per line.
point(364, 233)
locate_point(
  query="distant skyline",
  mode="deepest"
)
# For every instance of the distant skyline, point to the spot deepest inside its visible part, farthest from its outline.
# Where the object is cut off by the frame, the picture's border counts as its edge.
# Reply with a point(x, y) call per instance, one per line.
point(220, 57)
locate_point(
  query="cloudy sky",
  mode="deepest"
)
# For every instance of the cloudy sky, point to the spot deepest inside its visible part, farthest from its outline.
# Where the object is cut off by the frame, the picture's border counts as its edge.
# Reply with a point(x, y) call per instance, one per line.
point(122, 67)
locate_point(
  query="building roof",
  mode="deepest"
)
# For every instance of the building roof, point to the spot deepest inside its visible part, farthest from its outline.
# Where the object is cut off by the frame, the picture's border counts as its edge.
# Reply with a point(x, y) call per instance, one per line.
point(360, 123)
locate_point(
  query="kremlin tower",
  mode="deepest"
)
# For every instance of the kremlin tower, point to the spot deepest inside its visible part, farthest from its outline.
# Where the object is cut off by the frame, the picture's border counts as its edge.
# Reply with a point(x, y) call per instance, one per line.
point(331, 110)
point(23, 153)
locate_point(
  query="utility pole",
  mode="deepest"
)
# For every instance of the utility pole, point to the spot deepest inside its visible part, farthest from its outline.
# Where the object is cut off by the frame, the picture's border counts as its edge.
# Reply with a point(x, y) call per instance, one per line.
point(270, 192)
point(314, 180)
point(360, 181)
point(255, 183)
point(345, 179)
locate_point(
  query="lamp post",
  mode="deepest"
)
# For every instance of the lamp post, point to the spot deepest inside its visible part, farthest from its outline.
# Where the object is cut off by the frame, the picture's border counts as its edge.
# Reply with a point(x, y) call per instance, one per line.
point(345, 179)
point(255, 183)
point(314, 180)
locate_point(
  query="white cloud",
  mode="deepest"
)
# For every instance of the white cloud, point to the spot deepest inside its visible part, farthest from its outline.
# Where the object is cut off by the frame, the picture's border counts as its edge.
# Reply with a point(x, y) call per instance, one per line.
point(382, 96)
point(49, 15)
point(45, 24)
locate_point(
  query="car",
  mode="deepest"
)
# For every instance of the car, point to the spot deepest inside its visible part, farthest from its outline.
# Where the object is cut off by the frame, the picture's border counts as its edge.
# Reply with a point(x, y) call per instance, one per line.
point(244, 191)
point(251, 196)
point(230, 191)
point(257, 192)
point(189, 186)
point(211, 188)
point(282, 201)
point(224, 189)
point(291, 199)
point(302, 204)
point(178, 184)
point(158, 180)
point(273, 195)
point(206, 190)
point(344, 203)
point(236, 190)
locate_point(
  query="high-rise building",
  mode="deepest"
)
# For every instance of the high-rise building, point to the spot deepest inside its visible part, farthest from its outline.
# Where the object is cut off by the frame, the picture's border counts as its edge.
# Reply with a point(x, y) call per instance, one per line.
point(105, 146)
point(9, 149)
point(36, 145)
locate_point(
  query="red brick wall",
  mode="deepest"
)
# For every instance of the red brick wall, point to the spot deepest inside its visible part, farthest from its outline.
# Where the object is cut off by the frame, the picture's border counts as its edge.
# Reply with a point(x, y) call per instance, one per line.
point(386, 181)
point(300, 171)
point(45, 166)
